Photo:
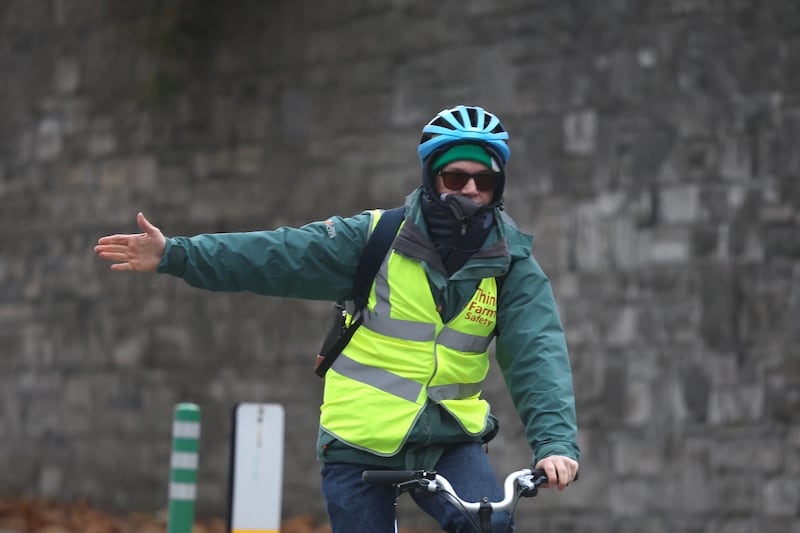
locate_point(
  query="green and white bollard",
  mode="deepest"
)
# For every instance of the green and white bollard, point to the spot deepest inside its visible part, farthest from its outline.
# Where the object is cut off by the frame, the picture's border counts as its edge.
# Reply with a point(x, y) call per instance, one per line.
point(183, 468)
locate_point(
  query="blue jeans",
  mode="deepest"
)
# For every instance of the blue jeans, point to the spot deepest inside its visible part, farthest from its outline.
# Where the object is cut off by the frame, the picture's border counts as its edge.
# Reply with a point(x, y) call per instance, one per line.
point(357, 507)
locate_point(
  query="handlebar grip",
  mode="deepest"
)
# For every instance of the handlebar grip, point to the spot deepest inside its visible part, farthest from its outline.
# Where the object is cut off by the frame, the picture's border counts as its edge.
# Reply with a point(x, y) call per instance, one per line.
point(539, 476)
point(388, 477)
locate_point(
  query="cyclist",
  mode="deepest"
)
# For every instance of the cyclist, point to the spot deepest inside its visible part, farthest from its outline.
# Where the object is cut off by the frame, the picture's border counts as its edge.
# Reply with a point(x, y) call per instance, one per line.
point(405, 393)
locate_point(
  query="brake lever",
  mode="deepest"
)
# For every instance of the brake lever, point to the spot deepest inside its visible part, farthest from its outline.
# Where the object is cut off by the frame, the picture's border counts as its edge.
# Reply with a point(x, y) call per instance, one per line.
point(424, 482)
point(529, 487)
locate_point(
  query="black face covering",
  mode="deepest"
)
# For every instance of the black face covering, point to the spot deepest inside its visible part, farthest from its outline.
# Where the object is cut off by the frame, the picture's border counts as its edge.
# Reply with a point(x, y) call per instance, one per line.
point(457, 227)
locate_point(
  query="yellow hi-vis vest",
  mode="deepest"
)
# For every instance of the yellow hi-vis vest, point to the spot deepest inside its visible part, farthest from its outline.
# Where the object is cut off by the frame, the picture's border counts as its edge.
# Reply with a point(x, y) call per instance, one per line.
point(404, 354)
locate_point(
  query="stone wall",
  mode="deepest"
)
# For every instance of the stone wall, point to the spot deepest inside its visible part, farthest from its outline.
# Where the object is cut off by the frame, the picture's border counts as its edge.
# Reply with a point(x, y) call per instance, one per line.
point(654, 156)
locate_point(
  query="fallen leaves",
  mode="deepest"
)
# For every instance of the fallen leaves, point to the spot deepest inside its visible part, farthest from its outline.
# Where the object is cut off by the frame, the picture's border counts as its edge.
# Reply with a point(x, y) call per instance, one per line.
point(27, 515)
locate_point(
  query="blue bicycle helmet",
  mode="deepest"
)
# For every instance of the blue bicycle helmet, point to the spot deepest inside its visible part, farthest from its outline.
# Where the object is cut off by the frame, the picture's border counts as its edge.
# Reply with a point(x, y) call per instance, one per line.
point(464, 124)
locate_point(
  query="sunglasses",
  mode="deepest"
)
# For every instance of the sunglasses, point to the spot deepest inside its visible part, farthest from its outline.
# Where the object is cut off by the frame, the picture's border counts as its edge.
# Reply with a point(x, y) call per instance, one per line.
point(457, 179)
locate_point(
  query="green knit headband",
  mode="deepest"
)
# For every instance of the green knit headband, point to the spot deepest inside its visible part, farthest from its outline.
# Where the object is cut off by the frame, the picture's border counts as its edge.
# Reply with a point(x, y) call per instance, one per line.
point(460, 152)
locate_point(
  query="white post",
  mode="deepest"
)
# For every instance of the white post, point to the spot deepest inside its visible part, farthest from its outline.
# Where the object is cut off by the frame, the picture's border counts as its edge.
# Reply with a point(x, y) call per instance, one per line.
point(257, 468)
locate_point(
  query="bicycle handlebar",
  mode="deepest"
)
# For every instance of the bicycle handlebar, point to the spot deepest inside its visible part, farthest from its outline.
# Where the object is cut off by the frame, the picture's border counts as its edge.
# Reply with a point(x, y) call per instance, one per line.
point(391, 477)
point(526, 480)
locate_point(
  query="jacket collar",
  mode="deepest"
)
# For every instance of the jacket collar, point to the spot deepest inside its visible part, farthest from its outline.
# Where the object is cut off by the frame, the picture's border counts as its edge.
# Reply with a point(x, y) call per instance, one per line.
point(413, 241)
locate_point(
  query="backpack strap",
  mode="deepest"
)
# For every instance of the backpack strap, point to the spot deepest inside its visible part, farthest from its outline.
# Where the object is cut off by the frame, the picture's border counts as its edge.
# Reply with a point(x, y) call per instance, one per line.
point(376, 249)
point(378, 244)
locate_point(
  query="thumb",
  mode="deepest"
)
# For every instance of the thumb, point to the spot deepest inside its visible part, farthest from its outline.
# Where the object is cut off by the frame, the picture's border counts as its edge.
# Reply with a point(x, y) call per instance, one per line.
point(145, 224)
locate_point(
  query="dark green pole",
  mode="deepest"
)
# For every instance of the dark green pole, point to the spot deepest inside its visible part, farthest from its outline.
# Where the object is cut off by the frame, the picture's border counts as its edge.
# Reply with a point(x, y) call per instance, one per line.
point(183, 468)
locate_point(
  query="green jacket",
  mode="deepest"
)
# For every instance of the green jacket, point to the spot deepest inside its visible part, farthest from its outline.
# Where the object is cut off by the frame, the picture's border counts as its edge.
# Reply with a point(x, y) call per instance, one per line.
point(318, 261)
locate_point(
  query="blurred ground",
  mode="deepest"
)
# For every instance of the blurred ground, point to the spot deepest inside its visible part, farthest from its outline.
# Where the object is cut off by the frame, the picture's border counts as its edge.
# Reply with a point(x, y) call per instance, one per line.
point(18, 515)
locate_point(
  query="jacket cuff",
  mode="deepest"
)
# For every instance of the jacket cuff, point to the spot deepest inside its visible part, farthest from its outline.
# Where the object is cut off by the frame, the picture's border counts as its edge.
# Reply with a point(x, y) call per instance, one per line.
point(547, 450)
point(174, 259)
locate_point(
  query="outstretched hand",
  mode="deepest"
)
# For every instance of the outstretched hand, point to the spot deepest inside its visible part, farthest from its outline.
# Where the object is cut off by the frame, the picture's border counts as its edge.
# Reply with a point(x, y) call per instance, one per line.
point(560, 470)
point(139, 252)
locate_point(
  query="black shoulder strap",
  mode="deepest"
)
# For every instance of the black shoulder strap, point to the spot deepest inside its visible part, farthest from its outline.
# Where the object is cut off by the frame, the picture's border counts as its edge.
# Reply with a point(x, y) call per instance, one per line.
point(368, 265)
point(371, 258)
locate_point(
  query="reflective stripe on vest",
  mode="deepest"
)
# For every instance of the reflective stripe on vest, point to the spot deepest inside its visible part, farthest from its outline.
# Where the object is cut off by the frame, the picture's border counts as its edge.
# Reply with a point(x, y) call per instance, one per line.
point(403, 355)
